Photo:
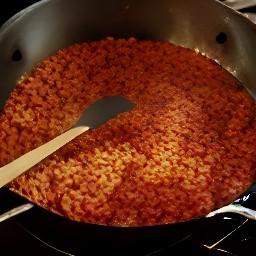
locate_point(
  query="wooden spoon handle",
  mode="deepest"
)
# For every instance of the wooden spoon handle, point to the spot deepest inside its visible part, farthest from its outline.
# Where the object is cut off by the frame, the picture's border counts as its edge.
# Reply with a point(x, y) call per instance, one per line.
point(12, 170)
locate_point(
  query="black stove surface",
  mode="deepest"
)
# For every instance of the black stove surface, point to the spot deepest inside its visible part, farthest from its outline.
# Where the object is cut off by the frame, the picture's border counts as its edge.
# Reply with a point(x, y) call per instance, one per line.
point(224, 234)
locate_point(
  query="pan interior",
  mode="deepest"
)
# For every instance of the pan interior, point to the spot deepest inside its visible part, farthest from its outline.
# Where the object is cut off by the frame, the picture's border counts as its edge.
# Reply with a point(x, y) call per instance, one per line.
point(42, 29)
point(47, 26)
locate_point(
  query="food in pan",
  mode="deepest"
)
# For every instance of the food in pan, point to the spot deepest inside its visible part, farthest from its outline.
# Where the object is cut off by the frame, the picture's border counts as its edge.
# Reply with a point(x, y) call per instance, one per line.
point(187, 148)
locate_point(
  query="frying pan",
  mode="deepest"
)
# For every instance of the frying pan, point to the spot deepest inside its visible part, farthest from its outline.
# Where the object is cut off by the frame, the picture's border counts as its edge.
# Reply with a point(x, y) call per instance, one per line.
point(38, 31)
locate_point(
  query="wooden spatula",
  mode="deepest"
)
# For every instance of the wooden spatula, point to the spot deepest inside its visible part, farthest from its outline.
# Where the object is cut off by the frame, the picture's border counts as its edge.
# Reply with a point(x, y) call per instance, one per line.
point(95, 115)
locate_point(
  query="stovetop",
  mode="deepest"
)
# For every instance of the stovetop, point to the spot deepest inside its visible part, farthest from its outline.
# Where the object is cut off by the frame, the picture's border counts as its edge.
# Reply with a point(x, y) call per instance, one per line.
point(224, 234)
point(221, 235)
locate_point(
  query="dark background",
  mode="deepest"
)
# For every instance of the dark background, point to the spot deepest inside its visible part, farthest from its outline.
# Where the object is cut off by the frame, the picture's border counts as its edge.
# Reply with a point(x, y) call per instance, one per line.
point(10, 7)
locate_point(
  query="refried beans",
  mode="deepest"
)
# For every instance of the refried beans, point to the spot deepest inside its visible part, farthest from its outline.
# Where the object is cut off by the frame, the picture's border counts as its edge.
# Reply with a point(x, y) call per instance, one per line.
point(187, 148)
